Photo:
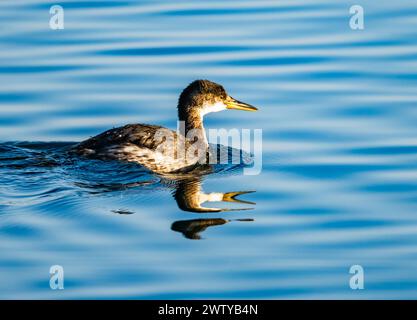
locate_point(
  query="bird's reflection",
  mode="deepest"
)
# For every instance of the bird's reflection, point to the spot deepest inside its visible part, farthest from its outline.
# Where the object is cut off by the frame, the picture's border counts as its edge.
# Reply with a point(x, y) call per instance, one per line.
point(191, 229)
point(186, 189)
point(190, 197)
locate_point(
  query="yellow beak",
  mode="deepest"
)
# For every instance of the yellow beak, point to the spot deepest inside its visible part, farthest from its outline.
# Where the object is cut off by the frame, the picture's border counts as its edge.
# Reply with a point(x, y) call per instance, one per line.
point(232, 103)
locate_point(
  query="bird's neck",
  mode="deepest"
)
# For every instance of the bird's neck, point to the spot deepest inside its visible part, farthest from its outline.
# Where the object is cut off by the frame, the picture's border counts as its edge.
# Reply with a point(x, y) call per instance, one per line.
point(193, 127)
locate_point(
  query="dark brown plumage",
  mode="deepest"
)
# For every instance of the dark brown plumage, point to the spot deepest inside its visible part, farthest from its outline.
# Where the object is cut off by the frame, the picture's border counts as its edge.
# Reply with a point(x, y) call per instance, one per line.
point(137, 143)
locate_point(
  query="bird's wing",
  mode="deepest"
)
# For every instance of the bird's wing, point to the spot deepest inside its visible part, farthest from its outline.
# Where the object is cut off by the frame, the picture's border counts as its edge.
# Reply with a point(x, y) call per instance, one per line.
point(140, 135)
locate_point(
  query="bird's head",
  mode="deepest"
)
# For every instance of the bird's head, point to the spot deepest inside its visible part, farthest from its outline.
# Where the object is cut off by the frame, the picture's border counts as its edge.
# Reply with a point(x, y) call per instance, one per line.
point(203, 96)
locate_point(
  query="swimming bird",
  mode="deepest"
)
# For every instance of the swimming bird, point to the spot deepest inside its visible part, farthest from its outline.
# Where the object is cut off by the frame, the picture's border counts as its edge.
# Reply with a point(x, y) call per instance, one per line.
point(162, 150)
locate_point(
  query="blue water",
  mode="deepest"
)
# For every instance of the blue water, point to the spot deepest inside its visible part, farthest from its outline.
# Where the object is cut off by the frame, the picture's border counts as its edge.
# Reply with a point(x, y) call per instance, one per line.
point(338, 185)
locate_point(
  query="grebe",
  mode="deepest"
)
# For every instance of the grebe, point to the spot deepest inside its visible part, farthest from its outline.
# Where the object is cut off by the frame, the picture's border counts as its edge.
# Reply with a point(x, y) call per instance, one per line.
point(159, 149)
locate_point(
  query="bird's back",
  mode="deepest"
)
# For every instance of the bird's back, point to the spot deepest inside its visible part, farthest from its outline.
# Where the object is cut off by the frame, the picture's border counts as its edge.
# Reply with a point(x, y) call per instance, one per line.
point(152, 146)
